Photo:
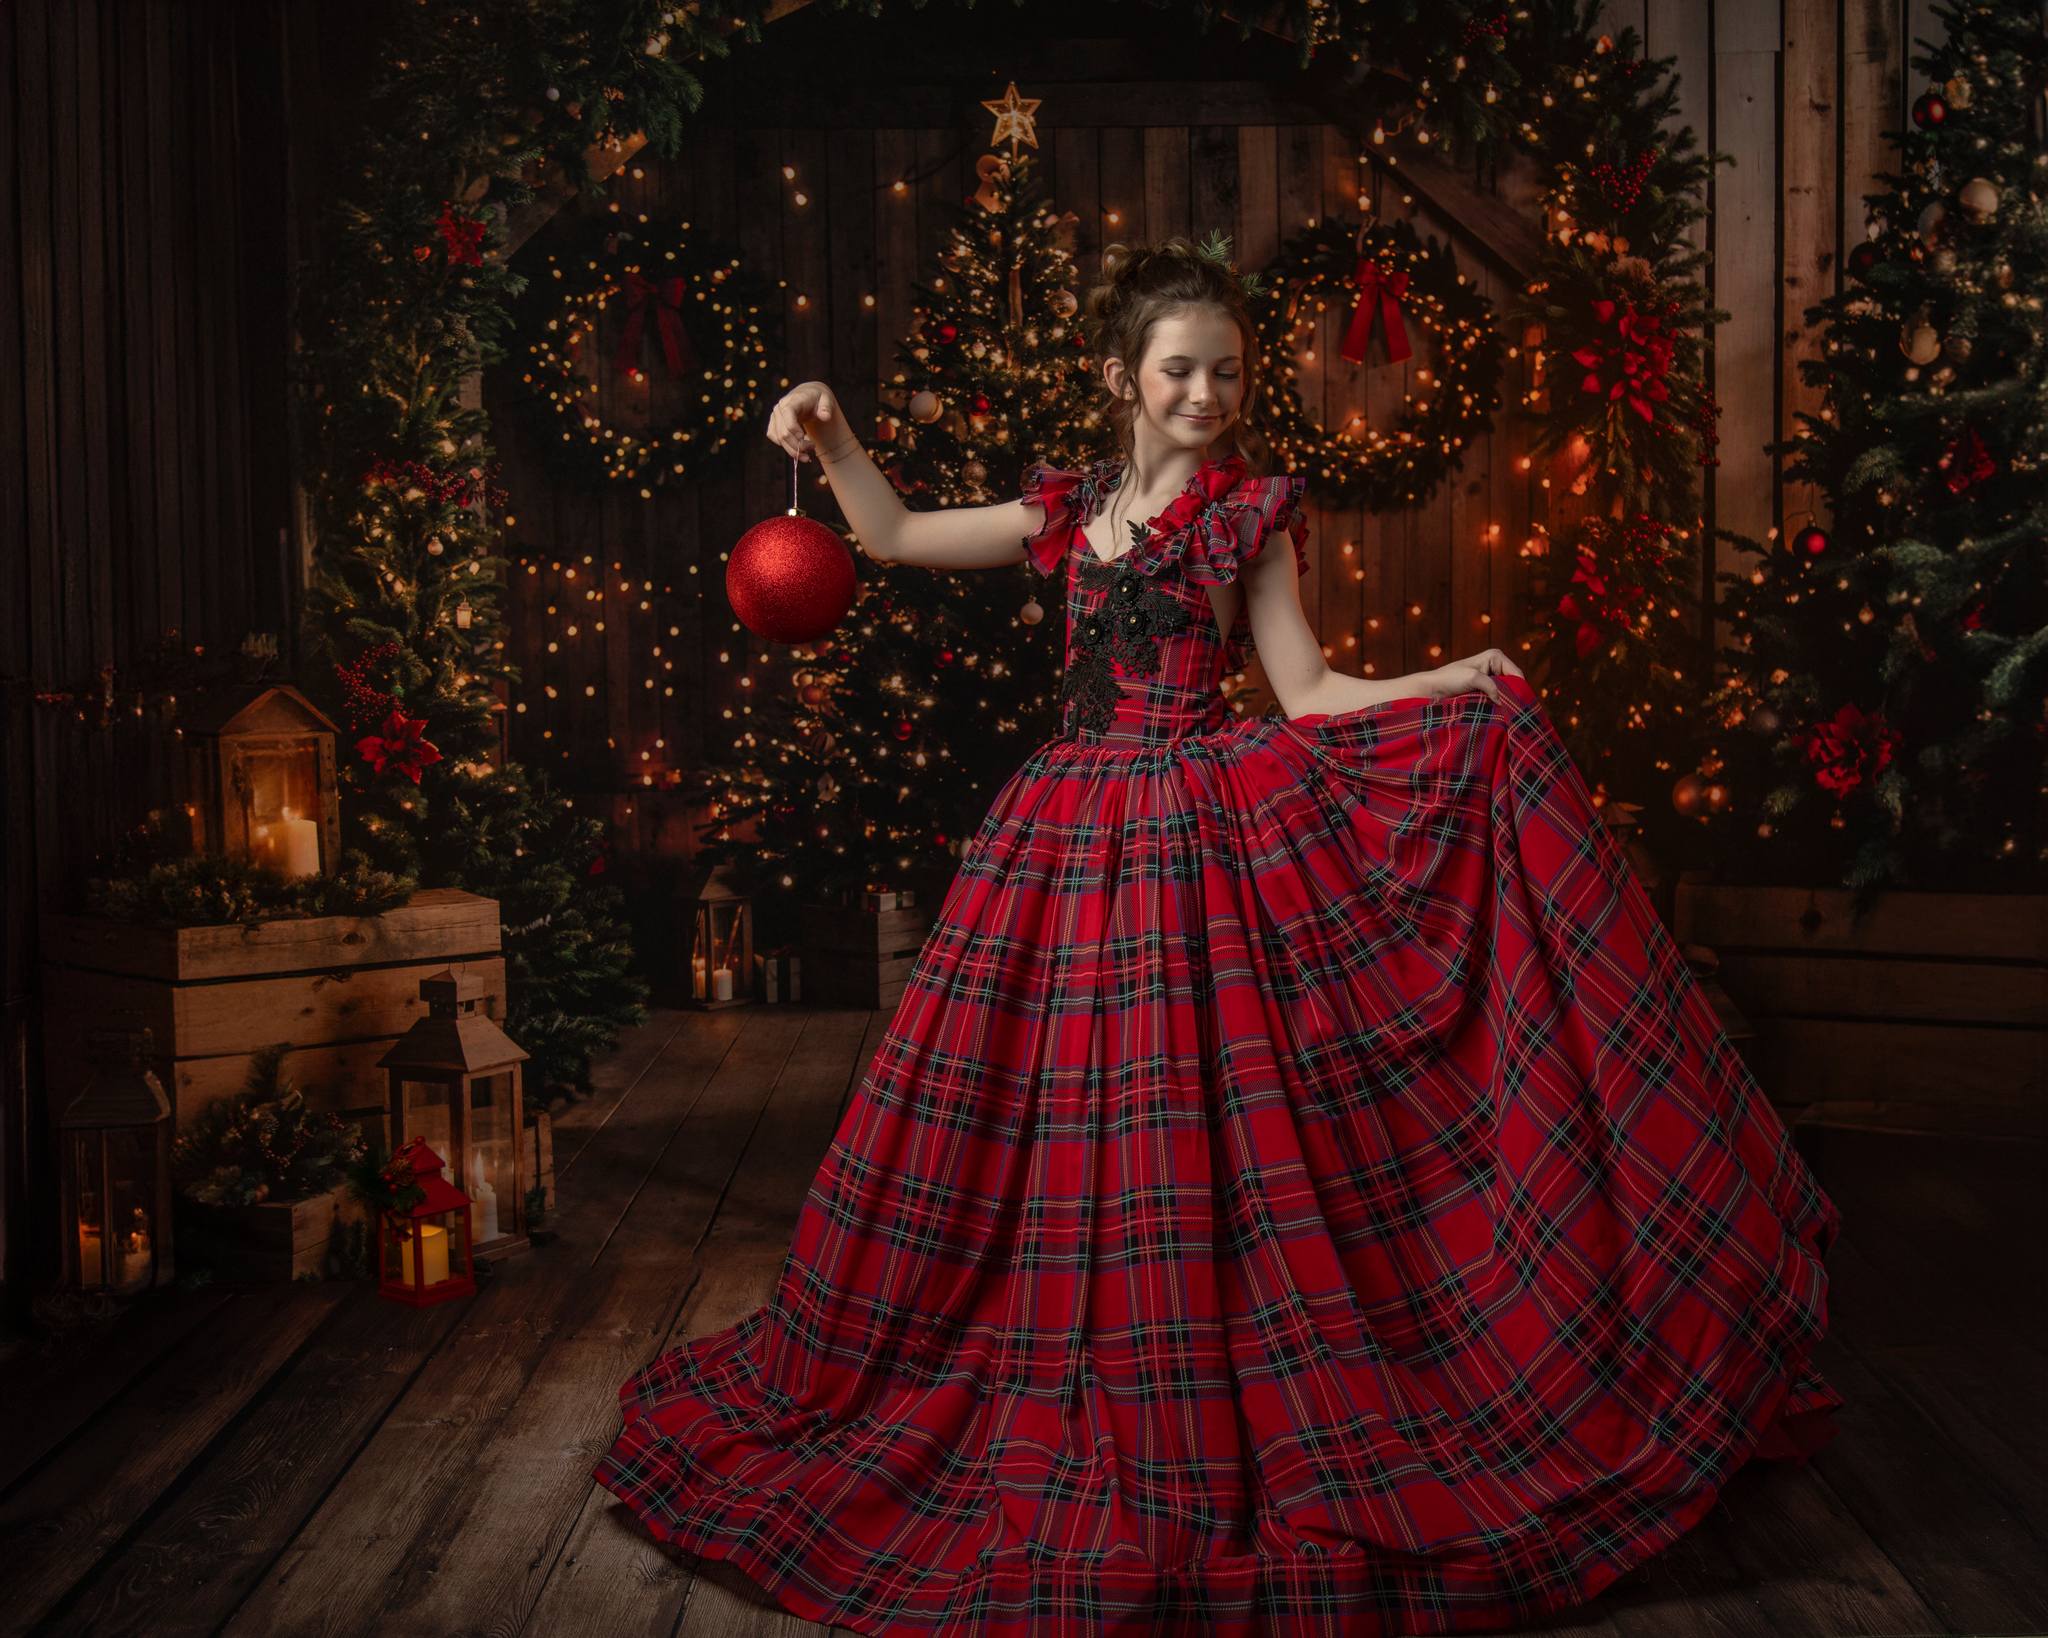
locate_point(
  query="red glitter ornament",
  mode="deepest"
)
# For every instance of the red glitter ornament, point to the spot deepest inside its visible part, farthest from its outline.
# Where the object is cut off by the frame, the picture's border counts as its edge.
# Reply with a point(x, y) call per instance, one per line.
point(790, 579)
point(1930, 111)
point(1812, 540)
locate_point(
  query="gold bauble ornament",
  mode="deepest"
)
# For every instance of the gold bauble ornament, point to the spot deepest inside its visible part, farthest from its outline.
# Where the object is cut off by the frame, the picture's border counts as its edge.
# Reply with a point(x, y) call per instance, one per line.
point(1687, 795)
point(925, 407)
point(1932, 219)
point(1921, 343)
point(975, 471)
point(1032, 612)
point(1979, 198)
point(1717, 796)
point(1065, 303)
point(1958, 92)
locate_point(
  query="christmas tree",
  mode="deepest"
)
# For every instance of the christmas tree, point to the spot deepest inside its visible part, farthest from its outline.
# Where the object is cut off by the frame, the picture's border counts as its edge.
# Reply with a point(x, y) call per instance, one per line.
point(1889, 658)
point(401, 618)
point(900, 728)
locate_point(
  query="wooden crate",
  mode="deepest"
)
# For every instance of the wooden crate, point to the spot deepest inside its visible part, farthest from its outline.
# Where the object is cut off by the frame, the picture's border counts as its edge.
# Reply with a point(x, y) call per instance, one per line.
point(1930, 1015)
point(276, 1240)
point(859, 957)
point(341, 989)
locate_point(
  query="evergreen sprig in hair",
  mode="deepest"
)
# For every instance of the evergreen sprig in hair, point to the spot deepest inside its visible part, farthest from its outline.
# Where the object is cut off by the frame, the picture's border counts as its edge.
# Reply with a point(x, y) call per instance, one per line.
point(1215, 246)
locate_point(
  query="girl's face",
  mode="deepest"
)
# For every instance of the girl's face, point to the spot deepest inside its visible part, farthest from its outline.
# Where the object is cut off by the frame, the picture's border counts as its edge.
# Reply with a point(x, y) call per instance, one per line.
point(1189, 385)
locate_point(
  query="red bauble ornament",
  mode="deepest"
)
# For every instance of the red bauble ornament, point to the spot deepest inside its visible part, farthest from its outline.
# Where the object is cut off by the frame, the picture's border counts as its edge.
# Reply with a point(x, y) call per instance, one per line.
point(1812, 540)
point(1930, 111)
point(790, 579)
point(1863, 258)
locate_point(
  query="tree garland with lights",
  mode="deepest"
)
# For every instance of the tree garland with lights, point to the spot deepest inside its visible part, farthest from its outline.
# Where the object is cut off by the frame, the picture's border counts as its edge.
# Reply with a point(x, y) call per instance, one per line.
point(1392, 278)
point(405, 303)
point(1885, 708)
point(690, 338)
point(1615, 316)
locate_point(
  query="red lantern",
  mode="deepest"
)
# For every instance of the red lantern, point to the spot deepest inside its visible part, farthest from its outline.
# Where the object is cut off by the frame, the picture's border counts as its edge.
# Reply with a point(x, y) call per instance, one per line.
point(423, 1250)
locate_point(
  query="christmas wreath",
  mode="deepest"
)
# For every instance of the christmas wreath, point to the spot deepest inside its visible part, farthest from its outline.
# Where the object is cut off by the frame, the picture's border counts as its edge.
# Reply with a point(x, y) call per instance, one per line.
point(1393, 285)
point(649, 353)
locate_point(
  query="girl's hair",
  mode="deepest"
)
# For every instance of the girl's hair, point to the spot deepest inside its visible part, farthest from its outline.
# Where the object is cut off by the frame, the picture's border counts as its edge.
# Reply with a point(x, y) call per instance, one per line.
point(1141, 284)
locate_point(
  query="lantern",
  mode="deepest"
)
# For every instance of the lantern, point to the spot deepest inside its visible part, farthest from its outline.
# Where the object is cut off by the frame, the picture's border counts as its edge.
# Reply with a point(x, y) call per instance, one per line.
point(455, 1085)
point(424, 1251)
point(260, 772)
point(721, 944)
point(115, 1177)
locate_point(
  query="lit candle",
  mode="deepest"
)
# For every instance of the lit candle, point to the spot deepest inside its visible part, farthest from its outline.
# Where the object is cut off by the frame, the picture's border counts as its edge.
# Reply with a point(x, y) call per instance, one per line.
point(433, 1254)
point(721, 984)
point(295, 844)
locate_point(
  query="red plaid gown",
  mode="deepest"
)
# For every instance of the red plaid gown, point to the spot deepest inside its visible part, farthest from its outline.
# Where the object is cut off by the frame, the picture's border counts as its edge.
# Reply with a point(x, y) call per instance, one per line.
point(1302, 1190)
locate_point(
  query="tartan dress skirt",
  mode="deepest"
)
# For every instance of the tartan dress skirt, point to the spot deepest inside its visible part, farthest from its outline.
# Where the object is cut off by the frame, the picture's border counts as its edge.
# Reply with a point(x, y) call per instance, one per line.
point(1302, 1191)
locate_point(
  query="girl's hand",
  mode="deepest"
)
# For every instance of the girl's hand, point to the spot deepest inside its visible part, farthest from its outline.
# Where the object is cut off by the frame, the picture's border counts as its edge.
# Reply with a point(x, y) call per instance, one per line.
point(804, 416)
point(1463, 676)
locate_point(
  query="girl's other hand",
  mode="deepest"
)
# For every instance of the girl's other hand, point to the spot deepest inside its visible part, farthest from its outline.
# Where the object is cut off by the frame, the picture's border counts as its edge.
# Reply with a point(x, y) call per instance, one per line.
point(1464, 676)
point(804, 417)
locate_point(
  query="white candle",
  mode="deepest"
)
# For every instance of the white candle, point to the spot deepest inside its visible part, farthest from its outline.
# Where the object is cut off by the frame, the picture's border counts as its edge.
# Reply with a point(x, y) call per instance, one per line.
point(296, 844)
point(721, 984)
point(433, 1254)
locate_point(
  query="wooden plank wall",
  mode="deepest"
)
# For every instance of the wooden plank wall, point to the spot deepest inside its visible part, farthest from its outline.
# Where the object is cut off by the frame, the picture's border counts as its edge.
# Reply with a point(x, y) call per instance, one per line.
point(143, 467)
point(1799, 92)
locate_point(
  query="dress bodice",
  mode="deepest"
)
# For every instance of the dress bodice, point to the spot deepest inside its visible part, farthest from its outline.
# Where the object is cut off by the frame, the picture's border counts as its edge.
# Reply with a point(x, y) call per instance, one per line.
point(1145, 657)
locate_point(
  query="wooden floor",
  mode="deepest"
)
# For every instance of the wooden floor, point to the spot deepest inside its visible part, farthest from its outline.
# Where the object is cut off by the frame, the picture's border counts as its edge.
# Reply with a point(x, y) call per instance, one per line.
point(312, 1459)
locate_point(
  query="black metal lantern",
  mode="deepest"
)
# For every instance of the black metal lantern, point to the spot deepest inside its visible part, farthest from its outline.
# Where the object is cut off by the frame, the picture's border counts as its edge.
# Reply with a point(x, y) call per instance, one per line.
point(455, 1085)
point(115, 1169)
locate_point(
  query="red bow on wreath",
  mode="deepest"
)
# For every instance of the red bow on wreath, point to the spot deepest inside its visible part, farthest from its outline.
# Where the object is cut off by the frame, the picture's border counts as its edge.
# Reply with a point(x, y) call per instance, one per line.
point(667, 300)
point(1379, 296)
point(401, 746)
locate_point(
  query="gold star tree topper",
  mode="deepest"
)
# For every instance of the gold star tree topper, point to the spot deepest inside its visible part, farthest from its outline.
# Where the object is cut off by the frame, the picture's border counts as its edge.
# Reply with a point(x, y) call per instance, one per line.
point(1013, 119)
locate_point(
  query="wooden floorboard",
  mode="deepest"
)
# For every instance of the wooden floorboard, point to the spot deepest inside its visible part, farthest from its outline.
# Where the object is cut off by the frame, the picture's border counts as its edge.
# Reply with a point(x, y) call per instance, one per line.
point(48, 1393)
point(74, 1513)
point(194, 1560)
point(751, 1237)
point(312, 1459)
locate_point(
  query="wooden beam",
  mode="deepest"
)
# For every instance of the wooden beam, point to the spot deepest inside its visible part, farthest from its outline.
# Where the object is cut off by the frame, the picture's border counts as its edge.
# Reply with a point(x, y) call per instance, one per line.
point(523, 223)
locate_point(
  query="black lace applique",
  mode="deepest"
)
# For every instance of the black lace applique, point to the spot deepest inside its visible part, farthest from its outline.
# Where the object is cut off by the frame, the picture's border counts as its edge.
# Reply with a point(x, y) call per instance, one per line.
point(1124, 628)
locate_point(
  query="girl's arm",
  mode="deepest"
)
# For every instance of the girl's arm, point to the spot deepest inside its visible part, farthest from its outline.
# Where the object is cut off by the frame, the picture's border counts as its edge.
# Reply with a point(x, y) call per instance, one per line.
point(808, 419)
point(1302, 679)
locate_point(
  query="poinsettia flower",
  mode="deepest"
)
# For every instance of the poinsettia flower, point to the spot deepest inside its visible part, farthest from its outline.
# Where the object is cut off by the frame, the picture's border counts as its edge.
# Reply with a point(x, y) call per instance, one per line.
point(401, 744)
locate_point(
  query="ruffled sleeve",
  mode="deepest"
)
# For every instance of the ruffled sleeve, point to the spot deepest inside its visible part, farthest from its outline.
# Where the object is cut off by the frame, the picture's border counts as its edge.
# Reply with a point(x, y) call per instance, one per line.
point(1053, 488)
point(1229, 535)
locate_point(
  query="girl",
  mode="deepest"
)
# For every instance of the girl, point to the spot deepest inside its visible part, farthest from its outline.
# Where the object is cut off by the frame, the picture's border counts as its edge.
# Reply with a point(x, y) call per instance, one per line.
point(1302, 1190)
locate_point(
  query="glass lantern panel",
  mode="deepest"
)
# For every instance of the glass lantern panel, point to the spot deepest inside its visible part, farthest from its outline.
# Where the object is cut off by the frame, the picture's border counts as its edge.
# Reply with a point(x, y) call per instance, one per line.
point(91, 1226)
point(131, 1206)
point(281, 805)
point(459, 1248)
point(491, 1179)
point(701, 946)
point(426, 1110)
